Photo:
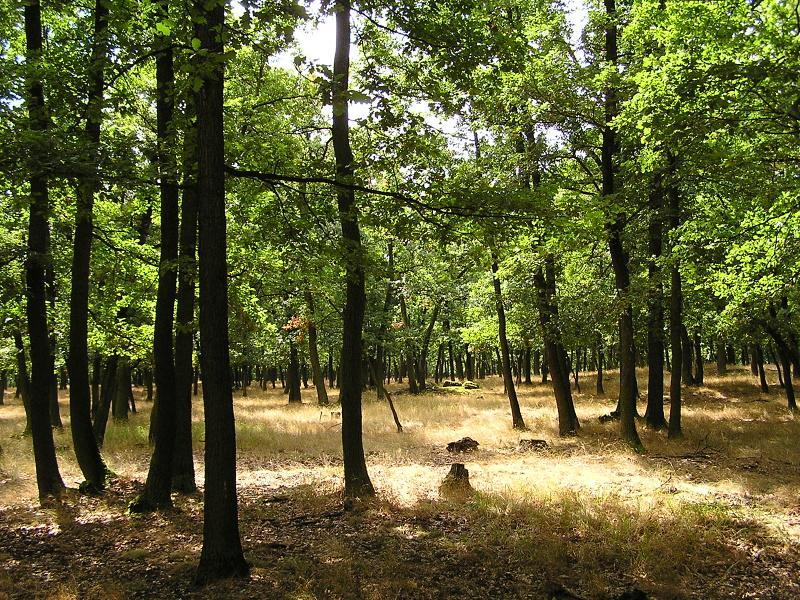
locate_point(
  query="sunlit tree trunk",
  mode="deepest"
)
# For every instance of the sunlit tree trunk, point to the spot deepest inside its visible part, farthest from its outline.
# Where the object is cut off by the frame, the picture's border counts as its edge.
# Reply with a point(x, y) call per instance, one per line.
point(356, 479)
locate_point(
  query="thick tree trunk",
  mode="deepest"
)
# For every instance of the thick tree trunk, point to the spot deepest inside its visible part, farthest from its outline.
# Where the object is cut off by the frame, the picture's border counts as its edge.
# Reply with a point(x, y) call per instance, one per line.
point(554, 349)
point(313, 352)
point(221, 555)
point(293, 375)
point(356, 479)
point(48, 477)
point(517, 421)
point(654, 414)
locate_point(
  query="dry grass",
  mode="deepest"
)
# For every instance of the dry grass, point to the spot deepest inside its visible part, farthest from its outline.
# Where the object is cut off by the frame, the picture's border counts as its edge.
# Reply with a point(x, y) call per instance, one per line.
point(687, 515)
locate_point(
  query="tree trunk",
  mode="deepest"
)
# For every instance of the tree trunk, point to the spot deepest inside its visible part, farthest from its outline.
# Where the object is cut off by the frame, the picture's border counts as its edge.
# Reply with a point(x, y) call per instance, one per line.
point(157, 488)
point(293, 375)
point(356, 479)
point(619, 257)
point(654, 414)
point(762, 376)
point(600, 360)
point(686, 357)
point(675, 316)
point(313, 352)
point(23, 379)
point(183, 475)
point(122, 383)
point(698, 360)
point(554, 348)
point(221, 555)
point(100, 417)
point(516, 414)
point(722, 360)
point(48, 477)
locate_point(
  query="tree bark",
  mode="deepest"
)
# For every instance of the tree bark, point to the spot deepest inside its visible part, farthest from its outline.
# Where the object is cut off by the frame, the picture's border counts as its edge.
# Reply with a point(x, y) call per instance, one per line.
point(293, 375)
point(356, 478)
point(183, 475)
point(83, 440)
point(619, 257)
point(554, 350)
point(48, 477)
point(654, 414)
point(157, 489)
point(221, 555)
point(313, 352)
point(517, 421)
point(675, 315)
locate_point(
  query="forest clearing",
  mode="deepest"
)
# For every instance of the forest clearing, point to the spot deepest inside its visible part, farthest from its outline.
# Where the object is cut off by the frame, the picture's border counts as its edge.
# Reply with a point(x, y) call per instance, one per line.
point(714, 516)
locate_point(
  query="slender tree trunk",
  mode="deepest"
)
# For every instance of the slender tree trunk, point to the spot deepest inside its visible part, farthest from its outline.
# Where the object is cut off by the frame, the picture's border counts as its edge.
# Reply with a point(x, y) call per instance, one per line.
point(516, 414)
point(84, 442)
point(48, 477)
point(619, 257)
point(686, 365)
point(654, 414)
point(356, 479)
point(157, 488)
point(313, 352)
point(422, 361)
point(722, 360)
point(762, 376)
point(601, 358)
point(221, 555)
point(23, 379)
point(183, 475)
point(675, 316)
point(100, 417)
point(698, 360)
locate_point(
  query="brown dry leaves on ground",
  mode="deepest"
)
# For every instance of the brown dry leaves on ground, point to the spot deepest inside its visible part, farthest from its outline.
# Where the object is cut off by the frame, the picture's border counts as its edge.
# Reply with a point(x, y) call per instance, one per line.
point(716, 515)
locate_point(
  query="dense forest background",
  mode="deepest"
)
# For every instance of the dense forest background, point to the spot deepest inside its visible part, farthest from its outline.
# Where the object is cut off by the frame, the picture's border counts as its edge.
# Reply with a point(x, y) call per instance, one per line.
point(544, 225)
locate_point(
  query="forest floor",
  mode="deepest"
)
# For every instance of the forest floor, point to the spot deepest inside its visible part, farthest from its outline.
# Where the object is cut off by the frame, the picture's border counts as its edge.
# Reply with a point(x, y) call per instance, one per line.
point(715, 515)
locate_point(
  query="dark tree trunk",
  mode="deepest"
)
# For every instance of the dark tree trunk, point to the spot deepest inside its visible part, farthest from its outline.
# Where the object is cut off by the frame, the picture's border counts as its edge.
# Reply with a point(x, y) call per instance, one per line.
point(48, 477)
point(293, 375)
point(698, 360)
point(221, 555)
point(422, 361)
point(356, 479)
point(686, 357)
point(544, 281)
point(675, 315)
point(122, 384)
point(3, 385)
point(722, 360)
point(157, 488)
point(601, 359)
point(183, 475)
point(313, 352)
point(97, 368)
point(516, 414)
point(619, 257)
point(107, 392)
point(654, 414)
point(762, 376)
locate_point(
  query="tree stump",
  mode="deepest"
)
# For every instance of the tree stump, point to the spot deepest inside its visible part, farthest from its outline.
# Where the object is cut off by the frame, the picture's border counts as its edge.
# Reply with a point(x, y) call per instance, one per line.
point(456, 485)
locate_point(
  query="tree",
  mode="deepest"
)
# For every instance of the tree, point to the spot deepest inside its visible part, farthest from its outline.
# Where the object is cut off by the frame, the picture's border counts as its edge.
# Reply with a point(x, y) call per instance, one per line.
point(222, 554)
